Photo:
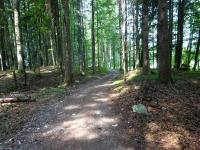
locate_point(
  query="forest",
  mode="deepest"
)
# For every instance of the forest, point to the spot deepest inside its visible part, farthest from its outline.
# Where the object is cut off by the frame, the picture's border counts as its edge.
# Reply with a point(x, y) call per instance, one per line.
point(82, 72)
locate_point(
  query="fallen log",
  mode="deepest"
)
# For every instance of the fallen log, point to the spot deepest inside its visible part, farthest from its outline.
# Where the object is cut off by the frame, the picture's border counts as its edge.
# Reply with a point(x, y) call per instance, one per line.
point(16, 99)
point(3, 75)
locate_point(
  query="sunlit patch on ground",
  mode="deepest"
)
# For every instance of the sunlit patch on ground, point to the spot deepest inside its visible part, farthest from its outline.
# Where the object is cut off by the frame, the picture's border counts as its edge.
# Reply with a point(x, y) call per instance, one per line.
point(153, 127)
point(71, 107)
point(170, 140)
point(92, 105)
point(84, 117)
point(173, 120)
point(101, 99)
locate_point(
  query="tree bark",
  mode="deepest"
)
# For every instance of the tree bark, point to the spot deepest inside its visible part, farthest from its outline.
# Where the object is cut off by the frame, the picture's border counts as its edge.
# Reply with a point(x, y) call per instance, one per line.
point(98, 41)
point(163, 41)
point(2, 36)
point(120, 32)
point(134, 50)
point(197, 52)
point(83, 38)
point(189, 48)
point(80, 37)
point(93, 38)
point(125, 52)
point(55, 11)
point(16, 100)
point(137, 54)
point(17, 35)
point(68, 61)
point(171, 8)
point(145, 34)
point(20, 53)
point(179, 45)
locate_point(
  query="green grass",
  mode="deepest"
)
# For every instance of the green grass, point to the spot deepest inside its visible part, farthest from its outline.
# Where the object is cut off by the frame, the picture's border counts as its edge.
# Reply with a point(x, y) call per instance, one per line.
point(121, 86)
point(118, 82)
point(186, 75)
point(104, 70)
point(153, 76)
point(137, 75)
point(145, 77)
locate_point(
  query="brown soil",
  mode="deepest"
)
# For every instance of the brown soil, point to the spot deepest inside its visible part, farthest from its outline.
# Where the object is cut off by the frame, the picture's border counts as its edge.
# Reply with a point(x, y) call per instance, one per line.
point(173, 120)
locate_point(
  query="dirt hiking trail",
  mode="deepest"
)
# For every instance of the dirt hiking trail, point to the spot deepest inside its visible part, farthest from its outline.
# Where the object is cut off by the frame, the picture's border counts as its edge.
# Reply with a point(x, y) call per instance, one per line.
point(82, 121)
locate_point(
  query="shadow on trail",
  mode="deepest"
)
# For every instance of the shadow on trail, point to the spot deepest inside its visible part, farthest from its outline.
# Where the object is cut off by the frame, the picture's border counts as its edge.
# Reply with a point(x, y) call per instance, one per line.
point(83, 121)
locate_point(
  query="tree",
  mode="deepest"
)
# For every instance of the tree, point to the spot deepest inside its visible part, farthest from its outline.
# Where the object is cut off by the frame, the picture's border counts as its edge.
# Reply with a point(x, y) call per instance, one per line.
point(125, 52)
point(80, 37)
point(179, 45)
point(66, 33)
point(20, 52)
point(17, 35)
point(137, 55)
point(2, 37)
point(68, 61)
point(123, 34)
point(93, 37)
point(120, 31)
point(189, 47)
point(163, 41)
point(171, 8)
point(197, 52)
point(56, 29)
point(145, 33)
point(133, 14)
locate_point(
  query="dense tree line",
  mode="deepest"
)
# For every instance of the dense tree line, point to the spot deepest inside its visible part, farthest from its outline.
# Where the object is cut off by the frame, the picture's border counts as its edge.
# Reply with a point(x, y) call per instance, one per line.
point(97, 34)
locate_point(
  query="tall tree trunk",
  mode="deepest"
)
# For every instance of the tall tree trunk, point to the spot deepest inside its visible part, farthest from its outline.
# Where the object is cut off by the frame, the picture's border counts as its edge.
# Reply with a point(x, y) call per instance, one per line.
point(163, 41)
point(46, 50)
point(137, 54)
point(113, 54)
point(179, 46)
point(68, 61)
point(80, 36)
point(57, 25)
point(197, 52)
point(17, 35)
point(53, 10)
point(189, 48)
point(93, 38)
point(123, 34)
point(145, 33)
point(125, 52)
point(83, 36)
point(120, 32)
point(110, 53)
point(52, 49)
point(98, 41)
point(171, 8)
point(2, 36)
point(134, 51)
point(153, 52)
point(20, 53)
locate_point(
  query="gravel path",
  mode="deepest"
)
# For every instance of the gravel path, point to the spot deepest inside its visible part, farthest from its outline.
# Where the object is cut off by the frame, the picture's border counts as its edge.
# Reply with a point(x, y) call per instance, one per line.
point(81, 121)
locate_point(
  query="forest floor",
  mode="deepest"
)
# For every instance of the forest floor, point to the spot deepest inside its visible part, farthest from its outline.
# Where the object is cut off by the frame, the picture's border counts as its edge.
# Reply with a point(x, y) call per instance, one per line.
point(98, 115)
point(173, 120)
point(46, 87)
